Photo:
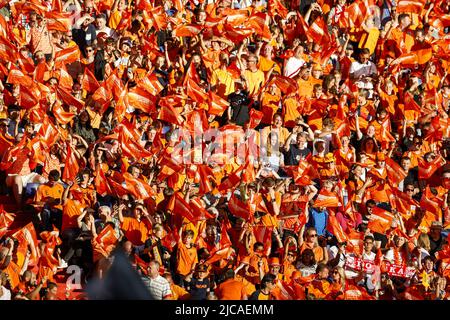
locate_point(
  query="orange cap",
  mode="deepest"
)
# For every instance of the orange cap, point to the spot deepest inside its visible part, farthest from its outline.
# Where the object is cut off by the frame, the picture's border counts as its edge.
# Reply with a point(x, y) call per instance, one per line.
point(274, 261)
point(381, 156)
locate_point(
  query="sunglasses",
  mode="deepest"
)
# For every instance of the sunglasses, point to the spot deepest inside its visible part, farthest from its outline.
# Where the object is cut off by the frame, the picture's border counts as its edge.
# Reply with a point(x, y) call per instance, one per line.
point(409, 190)
point(89, 50)
point(312, 235)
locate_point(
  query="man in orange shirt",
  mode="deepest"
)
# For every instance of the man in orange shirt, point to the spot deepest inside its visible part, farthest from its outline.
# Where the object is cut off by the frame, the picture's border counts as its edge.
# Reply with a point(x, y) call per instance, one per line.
point(231, 289)
point(49, 195)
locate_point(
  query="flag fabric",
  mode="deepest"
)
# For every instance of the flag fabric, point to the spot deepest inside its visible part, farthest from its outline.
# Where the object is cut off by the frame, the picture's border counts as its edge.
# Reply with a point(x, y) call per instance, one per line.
point(179, 206)
point(380, 220)
point(71, 167)
point(327, 199)
point(239, 208)
point(395, 172)
point(427, 169)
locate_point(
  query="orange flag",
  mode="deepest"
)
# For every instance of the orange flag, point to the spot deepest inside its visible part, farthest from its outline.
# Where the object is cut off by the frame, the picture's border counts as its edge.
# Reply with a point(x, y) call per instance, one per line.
point(410, 6)
point(318, 32)
point(187, 30)
point(239, 208)
point(142, 100)
point(101, 183)
point(6, 220)
point(327, 199)
point(255, 118)
point(69, 99)
point(107, 236)
point(137, 187)
point(380, 220)
point(257, 21)
point(71, 167)
point(263, 234)
point(276, 7)
point(89, 82)
point(151, 84)
point(8, 51)
point(335, 228)
point(169, 114)
point(285, 84)
point(216, 104)
point(409, 103)
point(57, 21)
point(199, 210)
point(395, 172)
point(67, 56)
point(61, 115)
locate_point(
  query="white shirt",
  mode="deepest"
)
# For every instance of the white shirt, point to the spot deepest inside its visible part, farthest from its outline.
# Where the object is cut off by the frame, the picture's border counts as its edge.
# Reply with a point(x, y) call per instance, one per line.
point(362, 69)
point(6, 294)
point(292, 67)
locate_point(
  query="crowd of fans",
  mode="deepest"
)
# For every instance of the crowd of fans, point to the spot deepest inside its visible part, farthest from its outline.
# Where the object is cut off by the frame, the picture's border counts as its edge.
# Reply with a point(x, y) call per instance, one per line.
point(232, 149)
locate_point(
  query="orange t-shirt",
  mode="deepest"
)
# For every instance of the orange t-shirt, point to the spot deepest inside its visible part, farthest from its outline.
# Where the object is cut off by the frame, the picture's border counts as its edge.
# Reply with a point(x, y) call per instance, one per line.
point(71, 210)
point(231, 289)
point(186, 259)
point(135, 231)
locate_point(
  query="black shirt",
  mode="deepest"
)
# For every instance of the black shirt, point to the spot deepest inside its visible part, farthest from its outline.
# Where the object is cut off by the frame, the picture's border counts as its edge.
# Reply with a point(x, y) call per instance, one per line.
point(239, 105)
point(198, 288)
point(292, 157)
point(435, 246)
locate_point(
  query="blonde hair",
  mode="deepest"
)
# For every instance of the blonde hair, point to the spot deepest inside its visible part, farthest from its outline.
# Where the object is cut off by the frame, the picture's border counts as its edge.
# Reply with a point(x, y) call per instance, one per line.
point(424, 241)
point(342, 278)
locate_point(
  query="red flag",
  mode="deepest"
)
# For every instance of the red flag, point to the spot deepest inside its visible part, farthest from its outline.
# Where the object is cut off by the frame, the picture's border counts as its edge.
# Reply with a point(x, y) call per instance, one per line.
point(169, 114)
point(217, 105)
point(426, 169)
point(409, 103)
point(239, 208)
point(179, 206)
